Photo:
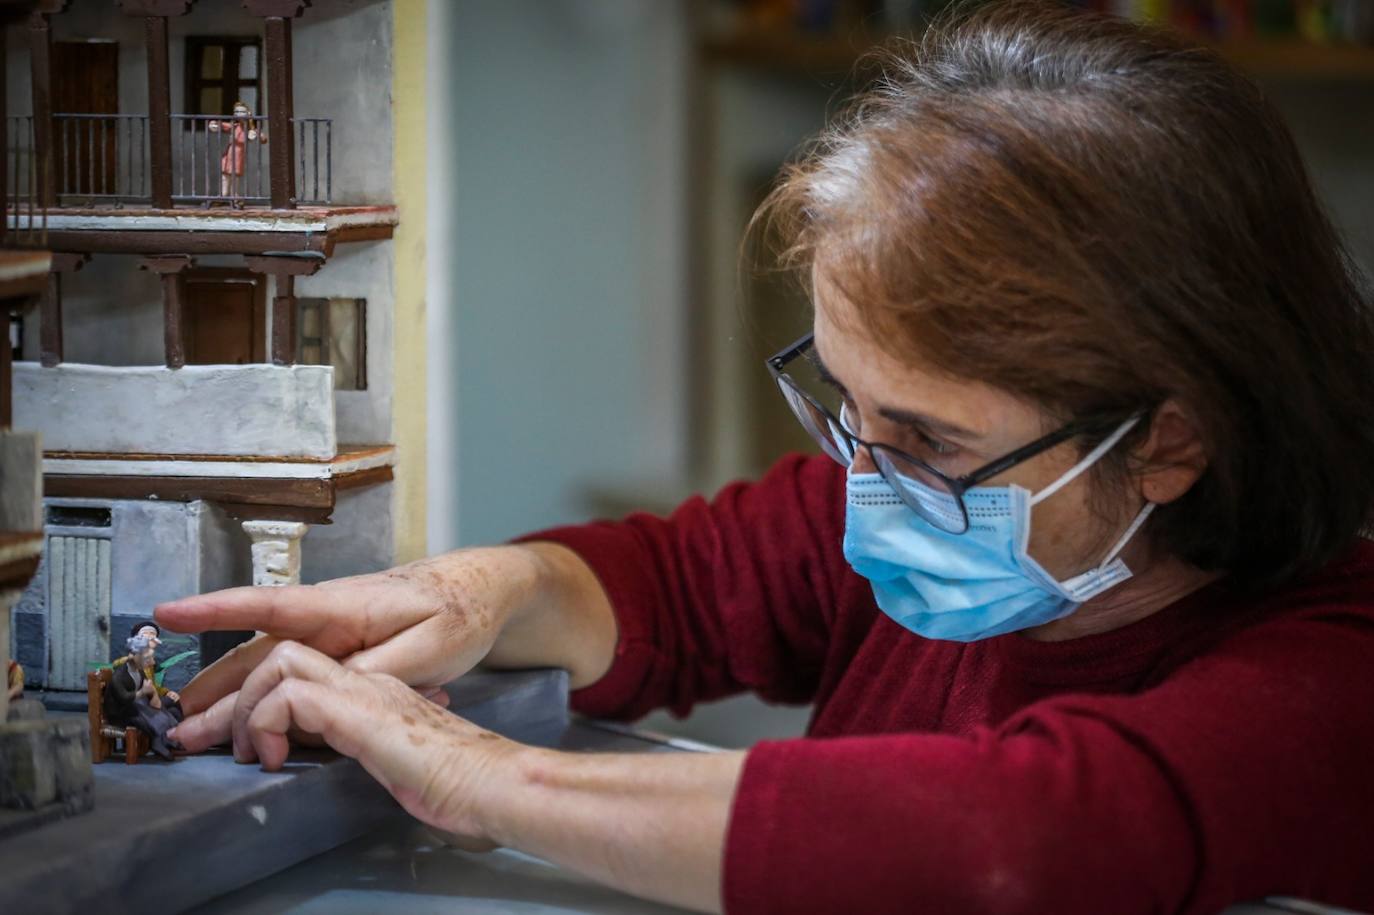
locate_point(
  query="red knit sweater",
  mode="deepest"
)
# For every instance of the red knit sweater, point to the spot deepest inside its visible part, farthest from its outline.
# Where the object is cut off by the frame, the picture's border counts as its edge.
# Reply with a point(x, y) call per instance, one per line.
point(1218, 751)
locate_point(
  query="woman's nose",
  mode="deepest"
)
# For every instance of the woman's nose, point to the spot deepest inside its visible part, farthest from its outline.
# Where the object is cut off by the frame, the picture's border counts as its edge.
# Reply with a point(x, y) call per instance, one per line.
point(862, 463)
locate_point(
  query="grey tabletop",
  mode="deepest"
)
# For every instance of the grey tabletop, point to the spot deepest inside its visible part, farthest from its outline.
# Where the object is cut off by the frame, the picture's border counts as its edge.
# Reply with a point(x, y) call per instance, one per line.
point(402, 867)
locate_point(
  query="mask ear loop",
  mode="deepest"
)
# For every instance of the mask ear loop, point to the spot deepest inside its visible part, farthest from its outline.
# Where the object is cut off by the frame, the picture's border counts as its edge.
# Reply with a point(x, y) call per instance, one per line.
point(1090, 459)
point(1130, 532)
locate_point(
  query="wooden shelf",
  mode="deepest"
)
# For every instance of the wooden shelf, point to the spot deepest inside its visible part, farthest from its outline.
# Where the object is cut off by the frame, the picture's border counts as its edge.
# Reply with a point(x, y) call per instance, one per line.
point(796, 54)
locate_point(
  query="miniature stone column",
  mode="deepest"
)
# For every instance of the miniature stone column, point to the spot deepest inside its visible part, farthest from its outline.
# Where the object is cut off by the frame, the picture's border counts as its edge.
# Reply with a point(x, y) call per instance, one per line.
point(276, 551)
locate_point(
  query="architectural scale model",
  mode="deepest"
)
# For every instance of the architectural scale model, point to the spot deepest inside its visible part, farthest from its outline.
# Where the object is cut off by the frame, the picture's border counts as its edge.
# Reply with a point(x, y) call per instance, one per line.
point(223, 324)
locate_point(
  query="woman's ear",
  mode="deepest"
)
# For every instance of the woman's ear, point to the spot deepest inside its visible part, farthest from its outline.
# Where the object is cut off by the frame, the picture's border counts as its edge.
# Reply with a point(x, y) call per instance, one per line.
point(1172, 457)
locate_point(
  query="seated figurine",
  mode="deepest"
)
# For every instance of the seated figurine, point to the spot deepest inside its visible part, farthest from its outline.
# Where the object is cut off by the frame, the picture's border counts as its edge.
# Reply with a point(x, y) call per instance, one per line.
point(135, 698)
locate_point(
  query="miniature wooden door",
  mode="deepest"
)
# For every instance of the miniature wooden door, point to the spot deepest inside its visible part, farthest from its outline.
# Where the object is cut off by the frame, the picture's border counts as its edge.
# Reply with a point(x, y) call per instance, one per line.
point(77, 593)
point(225, 317)
point(85, 84)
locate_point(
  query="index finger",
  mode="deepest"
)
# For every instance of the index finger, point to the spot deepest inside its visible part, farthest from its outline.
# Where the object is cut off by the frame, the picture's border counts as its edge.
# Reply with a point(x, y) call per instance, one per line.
point(288, 611)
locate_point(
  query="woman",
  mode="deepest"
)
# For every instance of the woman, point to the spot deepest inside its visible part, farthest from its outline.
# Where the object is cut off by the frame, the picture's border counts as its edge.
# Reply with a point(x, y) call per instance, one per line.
point(242, 130)
point(1084, 618)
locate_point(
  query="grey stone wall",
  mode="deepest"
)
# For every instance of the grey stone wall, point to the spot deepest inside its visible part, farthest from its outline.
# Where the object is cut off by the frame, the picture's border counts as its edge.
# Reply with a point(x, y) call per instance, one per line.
point(161, 551)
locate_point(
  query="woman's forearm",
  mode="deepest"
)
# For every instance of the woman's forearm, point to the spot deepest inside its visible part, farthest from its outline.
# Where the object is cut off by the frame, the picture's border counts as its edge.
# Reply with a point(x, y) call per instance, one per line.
point(652, 825)
point(563, 617)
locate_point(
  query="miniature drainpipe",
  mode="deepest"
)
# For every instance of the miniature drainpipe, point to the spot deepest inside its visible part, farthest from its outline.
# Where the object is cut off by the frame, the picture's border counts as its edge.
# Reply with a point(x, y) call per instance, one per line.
point(276, 551)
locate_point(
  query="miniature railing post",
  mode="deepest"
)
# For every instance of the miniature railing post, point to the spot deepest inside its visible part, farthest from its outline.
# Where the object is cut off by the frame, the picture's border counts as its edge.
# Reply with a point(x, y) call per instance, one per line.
point(172, 270)
point(159, 91)
point(280, 108)
point(284, 269)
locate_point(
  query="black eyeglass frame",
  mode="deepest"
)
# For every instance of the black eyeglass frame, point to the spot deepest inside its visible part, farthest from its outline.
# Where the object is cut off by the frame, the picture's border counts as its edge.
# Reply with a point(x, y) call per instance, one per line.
point(956, 486)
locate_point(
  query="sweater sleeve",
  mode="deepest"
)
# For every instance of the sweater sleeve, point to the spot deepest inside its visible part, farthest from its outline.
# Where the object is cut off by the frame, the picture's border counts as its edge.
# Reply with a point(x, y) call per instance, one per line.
point(1245, 773)
point(720, 597)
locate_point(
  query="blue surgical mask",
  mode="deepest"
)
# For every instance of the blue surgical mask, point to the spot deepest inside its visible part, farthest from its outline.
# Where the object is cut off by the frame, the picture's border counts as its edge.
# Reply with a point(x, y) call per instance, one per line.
point(977, 584)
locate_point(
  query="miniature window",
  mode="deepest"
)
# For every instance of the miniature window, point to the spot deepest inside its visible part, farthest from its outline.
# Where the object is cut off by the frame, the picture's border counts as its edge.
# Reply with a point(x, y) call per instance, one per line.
point(16, 337)
point(221, 71)
point(334, 332)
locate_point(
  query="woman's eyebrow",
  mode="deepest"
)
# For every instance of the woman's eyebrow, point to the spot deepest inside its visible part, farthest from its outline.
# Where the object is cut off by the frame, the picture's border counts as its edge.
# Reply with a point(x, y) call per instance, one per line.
point(928, 423)
point(896, 414)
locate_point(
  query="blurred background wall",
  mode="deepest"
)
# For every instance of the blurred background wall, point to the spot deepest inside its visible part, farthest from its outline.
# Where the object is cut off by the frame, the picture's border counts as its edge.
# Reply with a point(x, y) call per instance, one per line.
point(593, 346)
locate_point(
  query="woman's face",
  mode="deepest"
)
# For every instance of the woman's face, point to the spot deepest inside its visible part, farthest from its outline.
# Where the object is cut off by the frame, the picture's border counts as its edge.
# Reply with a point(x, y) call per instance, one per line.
point(957, 426)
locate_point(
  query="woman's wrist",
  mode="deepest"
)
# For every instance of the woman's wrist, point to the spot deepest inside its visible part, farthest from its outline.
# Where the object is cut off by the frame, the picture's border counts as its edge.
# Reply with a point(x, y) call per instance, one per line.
point(501, 804)
point(563, 617)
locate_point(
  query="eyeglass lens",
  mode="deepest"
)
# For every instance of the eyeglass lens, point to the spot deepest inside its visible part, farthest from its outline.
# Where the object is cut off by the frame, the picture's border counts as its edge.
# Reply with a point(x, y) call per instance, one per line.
point(924, 492)
point(819, 422)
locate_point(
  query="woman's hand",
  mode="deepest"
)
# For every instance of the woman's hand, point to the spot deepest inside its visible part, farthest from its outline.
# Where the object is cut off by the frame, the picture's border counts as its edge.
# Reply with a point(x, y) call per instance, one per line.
point(426, 623)
point(434, 763)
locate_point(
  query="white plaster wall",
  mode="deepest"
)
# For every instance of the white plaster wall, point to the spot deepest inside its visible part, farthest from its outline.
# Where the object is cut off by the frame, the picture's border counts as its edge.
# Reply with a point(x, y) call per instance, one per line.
point(363, 271)
point(359, 539)
point(21, 482)
point(199, 409)
point(225, 556)
point(111, 314)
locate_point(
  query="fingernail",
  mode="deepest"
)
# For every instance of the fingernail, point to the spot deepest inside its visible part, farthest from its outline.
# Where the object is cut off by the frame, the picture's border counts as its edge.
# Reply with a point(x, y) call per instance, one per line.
point(172, 733)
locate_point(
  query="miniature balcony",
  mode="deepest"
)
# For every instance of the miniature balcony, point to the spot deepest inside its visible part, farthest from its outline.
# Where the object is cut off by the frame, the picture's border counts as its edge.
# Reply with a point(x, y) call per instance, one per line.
point(247, 437)
point(103, 160)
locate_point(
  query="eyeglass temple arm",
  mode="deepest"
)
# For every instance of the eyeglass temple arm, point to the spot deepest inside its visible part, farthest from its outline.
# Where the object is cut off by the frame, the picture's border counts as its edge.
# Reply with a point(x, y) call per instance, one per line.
point(781, 358)
point(1025, 452)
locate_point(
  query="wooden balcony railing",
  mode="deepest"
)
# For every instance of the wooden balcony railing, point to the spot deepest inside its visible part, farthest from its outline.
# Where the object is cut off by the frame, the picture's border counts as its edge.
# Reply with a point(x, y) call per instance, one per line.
point(104, 160)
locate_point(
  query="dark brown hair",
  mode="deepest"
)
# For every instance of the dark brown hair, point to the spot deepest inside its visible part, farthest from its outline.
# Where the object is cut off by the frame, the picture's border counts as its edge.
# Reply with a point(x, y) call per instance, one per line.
point(1098, 216)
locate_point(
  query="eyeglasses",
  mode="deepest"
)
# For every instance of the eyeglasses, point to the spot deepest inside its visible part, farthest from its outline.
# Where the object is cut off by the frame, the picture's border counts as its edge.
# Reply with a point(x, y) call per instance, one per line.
point(932, 494)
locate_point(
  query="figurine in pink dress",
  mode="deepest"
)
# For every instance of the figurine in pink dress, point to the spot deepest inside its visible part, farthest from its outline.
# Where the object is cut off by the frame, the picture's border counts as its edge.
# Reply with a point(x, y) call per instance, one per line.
point(242, 130)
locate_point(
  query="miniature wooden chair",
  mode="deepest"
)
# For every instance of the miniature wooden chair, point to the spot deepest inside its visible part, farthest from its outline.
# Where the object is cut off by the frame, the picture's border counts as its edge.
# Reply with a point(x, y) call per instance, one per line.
point(103, 734)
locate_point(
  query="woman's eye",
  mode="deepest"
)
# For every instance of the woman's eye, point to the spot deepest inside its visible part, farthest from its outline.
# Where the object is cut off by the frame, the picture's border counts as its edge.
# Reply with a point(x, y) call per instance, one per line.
point(935, 445)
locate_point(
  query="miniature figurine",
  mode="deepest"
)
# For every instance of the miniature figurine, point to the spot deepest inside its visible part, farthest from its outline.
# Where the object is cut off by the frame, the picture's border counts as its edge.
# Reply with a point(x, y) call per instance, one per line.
point(135, 698)
point(241, 130)
point(14, 680)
